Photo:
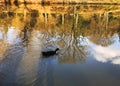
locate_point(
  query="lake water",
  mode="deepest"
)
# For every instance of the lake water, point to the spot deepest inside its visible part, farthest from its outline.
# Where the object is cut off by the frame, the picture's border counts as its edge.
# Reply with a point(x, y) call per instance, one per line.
point(88, 37)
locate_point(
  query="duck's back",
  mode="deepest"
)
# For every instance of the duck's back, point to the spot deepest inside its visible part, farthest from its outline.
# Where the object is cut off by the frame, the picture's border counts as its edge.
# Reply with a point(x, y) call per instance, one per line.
point(49, 51)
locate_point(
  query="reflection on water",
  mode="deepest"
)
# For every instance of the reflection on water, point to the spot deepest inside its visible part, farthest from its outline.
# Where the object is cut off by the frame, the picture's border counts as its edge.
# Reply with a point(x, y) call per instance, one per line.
point(88, 37)
point(105, 54)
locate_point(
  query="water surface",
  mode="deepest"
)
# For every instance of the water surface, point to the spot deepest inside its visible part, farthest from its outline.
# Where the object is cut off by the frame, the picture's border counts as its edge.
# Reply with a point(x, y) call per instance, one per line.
point(88, 37)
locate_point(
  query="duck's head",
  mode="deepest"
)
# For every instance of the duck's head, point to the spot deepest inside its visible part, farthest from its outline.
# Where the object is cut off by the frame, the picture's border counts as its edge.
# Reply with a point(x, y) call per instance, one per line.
point(56, 50)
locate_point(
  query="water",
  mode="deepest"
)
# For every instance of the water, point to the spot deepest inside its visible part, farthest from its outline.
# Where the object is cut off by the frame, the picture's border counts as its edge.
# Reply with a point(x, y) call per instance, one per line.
point(88, 37)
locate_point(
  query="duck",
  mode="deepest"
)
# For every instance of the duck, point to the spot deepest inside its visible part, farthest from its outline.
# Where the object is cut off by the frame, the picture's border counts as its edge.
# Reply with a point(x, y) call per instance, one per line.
point(50, 53)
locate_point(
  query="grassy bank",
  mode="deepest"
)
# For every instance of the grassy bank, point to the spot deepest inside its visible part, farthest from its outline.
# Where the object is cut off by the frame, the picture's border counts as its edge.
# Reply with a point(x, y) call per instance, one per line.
point(61, 1)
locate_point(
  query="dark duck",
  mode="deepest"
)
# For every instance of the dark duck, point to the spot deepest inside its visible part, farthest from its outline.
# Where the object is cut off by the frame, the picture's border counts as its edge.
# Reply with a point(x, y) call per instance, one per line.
point(50, 53)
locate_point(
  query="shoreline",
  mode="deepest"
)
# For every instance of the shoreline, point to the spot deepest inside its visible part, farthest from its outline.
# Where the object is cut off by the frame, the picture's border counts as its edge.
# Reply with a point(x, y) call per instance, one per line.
point(61, 2)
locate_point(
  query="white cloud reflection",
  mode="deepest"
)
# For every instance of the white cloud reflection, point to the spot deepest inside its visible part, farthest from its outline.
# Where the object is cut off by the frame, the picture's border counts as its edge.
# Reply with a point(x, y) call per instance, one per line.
point(12, 35)
point(107, 54)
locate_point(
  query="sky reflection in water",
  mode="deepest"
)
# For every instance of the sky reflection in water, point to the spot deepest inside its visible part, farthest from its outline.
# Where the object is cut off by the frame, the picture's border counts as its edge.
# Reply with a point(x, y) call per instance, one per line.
point(107, 54)
point(102, 54)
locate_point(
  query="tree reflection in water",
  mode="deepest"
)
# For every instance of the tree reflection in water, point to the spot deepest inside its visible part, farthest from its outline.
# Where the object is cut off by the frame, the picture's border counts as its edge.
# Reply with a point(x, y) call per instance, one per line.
point(69, 31)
